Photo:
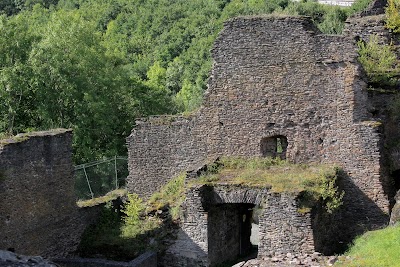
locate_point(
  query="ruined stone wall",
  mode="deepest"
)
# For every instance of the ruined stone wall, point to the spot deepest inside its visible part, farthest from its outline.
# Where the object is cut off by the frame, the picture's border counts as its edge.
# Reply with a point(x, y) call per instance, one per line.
point(38, 215)
point(283, 229)
point(278, 76)
point(191, 248)
point(362, 27)
point(159, 149)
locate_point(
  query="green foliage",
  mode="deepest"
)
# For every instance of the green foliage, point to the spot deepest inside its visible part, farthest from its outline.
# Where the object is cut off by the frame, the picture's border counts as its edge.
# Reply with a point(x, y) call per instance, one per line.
point(121, 238)
point(312, 182)
point(330, 194)
point(135, 222)
point(393, 15)
point(375, 248)
point(104, 232)
point(171, 195)
point(133, 209)
point(379, 61)
point(358, 6)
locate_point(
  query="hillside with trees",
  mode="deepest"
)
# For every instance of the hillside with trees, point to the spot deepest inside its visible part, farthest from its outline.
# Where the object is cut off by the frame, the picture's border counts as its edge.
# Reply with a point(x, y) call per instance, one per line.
point(97, 65)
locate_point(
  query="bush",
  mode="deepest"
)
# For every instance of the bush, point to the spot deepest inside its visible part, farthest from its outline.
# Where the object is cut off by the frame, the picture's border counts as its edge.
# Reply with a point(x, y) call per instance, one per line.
point(133, 209)
point(393, 15)
point(379, 62)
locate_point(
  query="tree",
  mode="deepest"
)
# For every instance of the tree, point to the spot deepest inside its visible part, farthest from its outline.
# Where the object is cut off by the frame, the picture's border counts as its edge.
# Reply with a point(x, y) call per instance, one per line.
point(16, 94)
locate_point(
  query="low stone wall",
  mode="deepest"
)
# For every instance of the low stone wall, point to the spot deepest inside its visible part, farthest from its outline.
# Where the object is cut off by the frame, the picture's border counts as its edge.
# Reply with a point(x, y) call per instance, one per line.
point(38, 213)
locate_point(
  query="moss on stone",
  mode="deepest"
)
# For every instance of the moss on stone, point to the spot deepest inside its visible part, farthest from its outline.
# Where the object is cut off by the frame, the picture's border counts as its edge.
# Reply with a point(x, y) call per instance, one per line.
point(312, 182)
point(14, 139)
point(9, 139)
point(103, 199)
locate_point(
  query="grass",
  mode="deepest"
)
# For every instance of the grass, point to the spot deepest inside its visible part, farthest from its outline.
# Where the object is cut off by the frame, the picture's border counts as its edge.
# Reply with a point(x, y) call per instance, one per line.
point(374, 249)
point(103, 199)
point(313, 181)
point(171, 196)
point(277, 174)
point(5, 140)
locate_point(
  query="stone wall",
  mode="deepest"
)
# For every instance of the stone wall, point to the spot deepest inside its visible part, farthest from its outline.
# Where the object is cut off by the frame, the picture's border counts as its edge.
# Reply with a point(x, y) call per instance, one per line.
point(159, 149)
point(38, 214)
point(277, 77)
point(216, 225)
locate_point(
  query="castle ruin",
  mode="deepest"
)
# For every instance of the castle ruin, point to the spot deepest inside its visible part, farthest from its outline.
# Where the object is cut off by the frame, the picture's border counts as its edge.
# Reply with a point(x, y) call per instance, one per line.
point(274, 79)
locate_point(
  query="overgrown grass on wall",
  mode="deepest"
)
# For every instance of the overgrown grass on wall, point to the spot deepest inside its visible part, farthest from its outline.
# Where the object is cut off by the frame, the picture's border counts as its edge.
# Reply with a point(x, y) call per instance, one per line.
point(393, 15)
point(373, 249)
point(314, 181)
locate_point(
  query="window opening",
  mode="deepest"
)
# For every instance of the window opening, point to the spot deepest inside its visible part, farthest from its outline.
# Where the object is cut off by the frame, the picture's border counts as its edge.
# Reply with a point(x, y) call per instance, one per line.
point(274, 147)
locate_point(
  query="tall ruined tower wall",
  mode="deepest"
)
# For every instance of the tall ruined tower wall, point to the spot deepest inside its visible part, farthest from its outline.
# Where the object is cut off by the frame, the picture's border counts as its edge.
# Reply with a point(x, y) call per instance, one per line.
point(38, 214)
point(274, 77)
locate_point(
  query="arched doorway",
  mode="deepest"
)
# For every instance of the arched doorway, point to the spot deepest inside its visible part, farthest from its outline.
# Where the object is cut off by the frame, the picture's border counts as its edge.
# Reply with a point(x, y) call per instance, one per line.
point(230, 233)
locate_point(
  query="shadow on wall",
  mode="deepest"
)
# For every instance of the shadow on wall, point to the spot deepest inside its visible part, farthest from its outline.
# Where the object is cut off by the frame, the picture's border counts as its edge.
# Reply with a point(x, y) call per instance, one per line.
point(184, 253)
point(333, 233)
point(230, 223)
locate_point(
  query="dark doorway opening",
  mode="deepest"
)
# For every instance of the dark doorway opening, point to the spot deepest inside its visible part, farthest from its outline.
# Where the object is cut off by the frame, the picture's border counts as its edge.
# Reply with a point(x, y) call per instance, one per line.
point(229, 233)
point(396, 179)
point(274, 146)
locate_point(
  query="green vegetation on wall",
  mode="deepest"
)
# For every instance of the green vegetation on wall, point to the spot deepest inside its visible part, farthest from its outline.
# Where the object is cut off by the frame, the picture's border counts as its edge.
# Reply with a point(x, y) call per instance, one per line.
point(379, 61)
point(138, 226)
point(314, 182)
point(393, 15)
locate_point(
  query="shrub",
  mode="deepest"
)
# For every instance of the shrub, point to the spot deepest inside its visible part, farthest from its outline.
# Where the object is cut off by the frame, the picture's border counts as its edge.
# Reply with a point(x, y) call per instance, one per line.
point(133, 209)
point(379, 61)
point(393, 15)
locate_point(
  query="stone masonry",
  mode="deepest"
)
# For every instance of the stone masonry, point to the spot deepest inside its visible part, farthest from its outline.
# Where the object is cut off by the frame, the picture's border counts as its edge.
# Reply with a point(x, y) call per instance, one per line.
point(276, 78)
point(216, 225)
point(38, 213)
